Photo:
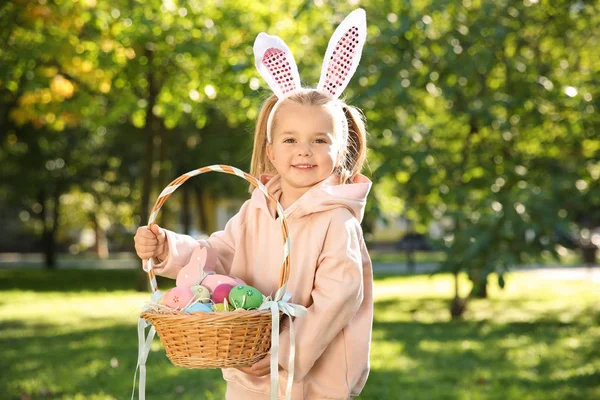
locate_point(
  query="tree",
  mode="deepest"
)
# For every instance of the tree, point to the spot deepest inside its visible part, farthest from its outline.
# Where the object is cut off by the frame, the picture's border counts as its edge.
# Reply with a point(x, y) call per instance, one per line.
point(122, 90)
point(474, 106)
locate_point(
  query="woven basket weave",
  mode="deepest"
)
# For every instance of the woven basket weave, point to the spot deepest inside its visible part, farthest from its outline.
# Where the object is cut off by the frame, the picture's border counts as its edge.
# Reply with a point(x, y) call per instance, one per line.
point(215, 339)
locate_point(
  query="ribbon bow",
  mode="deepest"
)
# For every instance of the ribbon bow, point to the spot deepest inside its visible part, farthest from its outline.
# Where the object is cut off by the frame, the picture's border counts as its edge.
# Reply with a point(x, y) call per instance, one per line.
point(281, 303)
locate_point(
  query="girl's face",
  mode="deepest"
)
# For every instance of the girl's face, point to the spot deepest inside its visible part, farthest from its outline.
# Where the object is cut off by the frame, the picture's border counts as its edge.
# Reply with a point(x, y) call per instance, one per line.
point(305, 146)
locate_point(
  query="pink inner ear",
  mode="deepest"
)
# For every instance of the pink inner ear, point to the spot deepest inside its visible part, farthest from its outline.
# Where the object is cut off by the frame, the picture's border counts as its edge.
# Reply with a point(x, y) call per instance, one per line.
point(340, 63)
point(279, 67)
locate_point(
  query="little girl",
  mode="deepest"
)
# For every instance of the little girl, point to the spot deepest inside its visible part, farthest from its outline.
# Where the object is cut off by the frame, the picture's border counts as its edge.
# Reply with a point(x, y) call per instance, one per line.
point(309, 149)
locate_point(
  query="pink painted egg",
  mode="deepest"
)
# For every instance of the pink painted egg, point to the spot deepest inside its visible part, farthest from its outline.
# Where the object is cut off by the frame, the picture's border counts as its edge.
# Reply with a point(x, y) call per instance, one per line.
point(214, 280)
point(178, 297)
point(222, 292)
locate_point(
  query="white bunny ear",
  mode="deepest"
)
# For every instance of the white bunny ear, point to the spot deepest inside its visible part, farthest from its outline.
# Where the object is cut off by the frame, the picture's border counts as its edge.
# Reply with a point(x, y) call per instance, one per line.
point(343, 53)
point(276, 64)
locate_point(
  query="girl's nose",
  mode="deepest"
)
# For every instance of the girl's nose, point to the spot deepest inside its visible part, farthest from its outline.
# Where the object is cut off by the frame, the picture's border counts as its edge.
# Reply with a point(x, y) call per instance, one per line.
point(304, 151)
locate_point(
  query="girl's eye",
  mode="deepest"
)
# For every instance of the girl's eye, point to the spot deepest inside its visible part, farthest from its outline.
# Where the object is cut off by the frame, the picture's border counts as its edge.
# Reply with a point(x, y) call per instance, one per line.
point(288, 140)
point(321, 141)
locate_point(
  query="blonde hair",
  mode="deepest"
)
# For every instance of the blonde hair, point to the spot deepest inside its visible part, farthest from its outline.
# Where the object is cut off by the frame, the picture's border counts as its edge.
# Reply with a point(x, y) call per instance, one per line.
point(356, 145)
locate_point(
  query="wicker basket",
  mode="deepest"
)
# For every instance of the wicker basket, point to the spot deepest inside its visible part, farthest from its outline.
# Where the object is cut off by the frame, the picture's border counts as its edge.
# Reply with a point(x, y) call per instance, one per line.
point(215, 339)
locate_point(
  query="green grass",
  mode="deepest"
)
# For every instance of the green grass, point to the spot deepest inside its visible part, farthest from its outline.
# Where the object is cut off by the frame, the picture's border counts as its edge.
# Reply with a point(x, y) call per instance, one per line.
point(569, 258)
point(395, 257)
point(71, 334)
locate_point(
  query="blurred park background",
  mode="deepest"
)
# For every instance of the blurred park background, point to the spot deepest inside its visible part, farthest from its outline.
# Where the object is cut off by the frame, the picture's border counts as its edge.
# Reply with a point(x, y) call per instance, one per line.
point(484, 150)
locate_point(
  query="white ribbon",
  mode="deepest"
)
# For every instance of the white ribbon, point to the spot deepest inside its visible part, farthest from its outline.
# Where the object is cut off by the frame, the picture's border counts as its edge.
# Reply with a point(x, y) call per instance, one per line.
point(143, 350)
point(281, 303)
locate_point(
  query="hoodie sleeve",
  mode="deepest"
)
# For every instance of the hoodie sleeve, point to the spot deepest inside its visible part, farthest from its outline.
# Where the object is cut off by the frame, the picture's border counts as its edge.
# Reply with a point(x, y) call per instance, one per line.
point(182, 246)
point(337, 295)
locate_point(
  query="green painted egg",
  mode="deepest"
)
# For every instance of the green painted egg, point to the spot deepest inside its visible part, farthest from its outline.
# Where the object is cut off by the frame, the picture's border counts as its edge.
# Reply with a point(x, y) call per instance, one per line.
point(244, 296)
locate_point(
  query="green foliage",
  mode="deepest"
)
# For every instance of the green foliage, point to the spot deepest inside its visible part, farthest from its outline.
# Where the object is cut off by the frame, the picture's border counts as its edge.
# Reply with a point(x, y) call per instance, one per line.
point(483, 120)
point(482, 114)
point(80, 84)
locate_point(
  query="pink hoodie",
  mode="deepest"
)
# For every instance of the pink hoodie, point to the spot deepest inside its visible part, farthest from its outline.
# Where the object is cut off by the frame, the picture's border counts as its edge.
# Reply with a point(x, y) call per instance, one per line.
point(331, 275)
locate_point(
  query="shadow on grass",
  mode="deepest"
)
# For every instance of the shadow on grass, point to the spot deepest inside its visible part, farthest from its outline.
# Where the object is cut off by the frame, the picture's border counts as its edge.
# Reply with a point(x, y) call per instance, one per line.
point(88, 363)
point(94, 280)
point(73, 280)
point(542, 357)
point(484, 359)
point(389, 384)
point(99, 280)
point(448, 360)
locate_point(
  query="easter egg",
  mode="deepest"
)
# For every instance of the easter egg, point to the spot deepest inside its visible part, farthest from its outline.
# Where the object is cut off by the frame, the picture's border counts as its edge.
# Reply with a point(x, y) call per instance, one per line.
point(198, 307)
point(201, 293)
point(178, 297)
point(222, 292)
point(214, 280)
point(244, 296)
point(220, 307)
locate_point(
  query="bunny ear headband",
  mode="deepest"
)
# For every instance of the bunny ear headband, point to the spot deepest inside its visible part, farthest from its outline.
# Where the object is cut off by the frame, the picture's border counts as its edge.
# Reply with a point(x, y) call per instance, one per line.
point(277, 66)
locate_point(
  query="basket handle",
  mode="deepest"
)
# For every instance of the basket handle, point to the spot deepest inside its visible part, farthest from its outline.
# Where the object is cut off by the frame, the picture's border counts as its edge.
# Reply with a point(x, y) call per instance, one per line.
point(226, 169)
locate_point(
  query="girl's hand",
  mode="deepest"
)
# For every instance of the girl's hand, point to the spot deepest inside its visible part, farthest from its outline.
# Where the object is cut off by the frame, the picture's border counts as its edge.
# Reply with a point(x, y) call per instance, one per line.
point(151, 243)
point(260, 368)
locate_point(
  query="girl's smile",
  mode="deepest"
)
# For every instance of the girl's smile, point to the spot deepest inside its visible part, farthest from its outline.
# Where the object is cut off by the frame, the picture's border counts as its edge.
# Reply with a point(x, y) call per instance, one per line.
point(304, 166)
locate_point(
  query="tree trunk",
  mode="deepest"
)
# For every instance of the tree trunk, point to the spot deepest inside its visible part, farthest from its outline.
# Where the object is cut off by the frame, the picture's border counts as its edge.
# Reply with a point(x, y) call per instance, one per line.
point(149, 130)
point(458, 305)
point(142, 284)
point(201, 212)
point(49, 249)
point(49, 231)
point(100, 241)
point(410, 260)
point(163, 176)
point(589, 255)
point(479, 279)
point(185, 210)
point(163, 151)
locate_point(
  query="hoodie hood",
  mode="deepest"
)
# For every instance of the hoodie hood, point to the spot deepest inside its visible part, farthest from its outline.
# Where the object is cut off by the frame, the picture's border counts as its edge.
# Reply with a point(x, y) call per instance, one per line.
point(324, 196)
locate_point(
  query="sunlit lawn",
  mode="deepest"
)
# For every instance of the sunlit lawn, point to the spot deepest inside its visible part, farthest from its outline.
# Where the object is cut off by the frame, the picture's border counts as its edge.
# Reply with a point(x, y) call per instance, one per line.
point(71, 334)
point(568, 257)
point(399, 257)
